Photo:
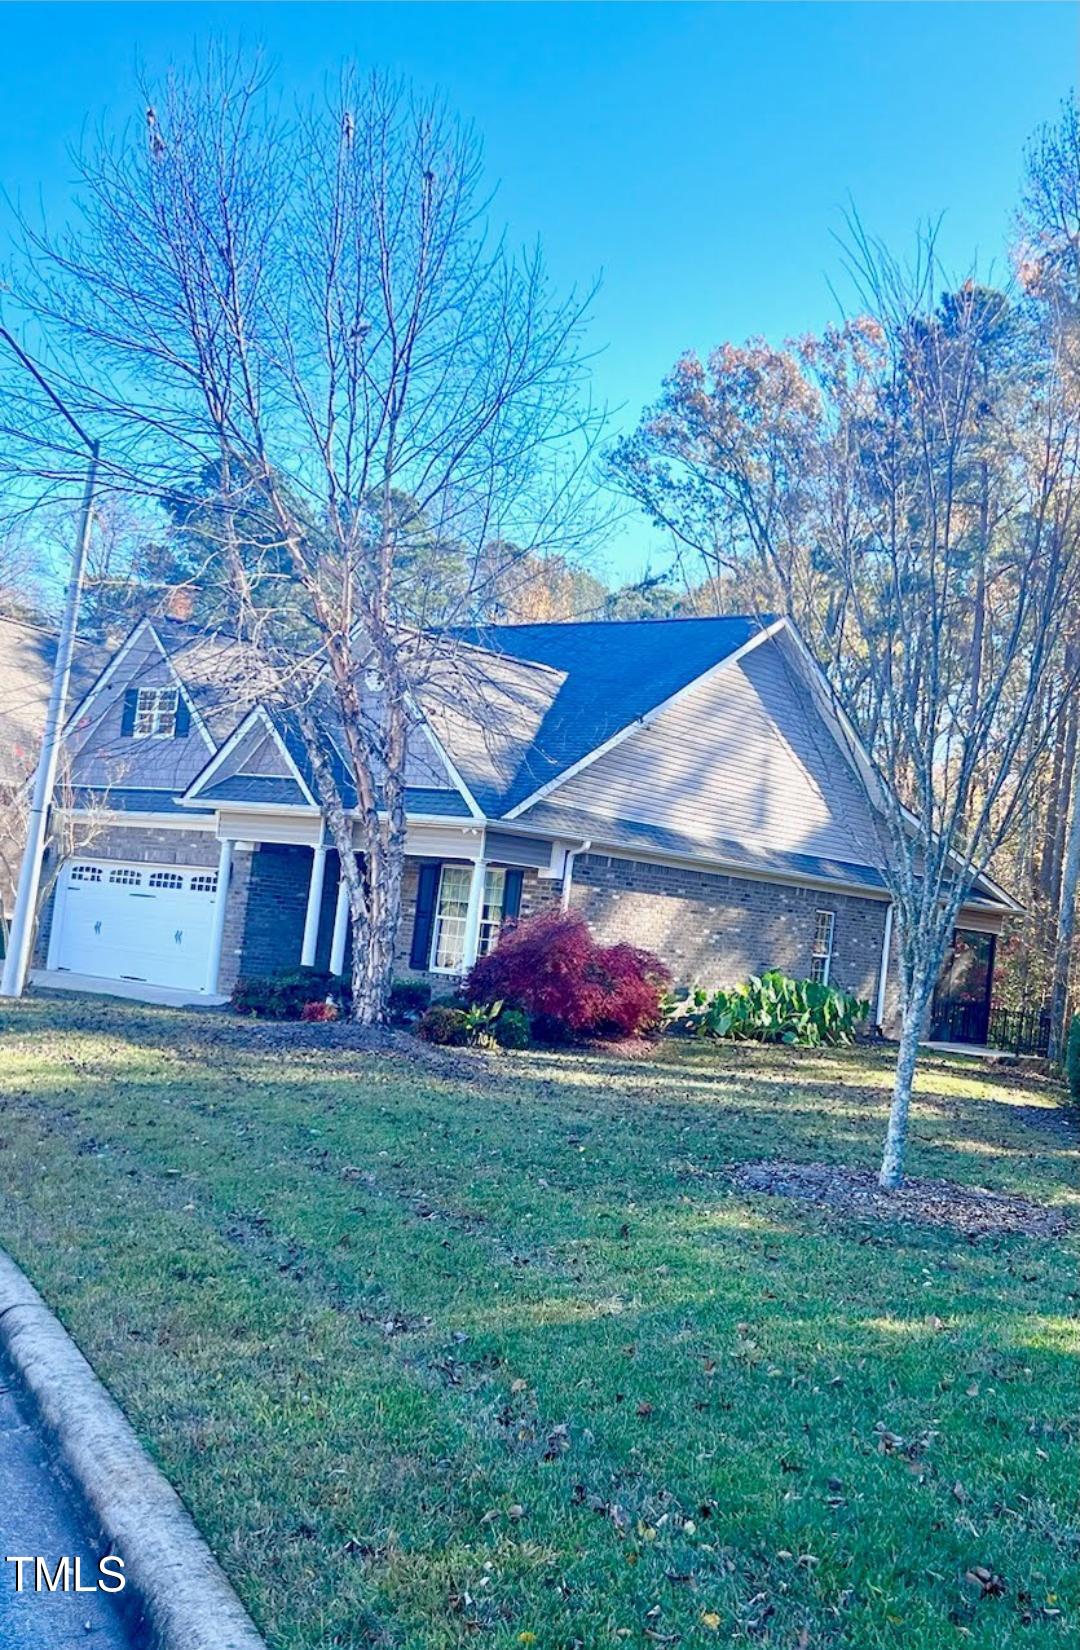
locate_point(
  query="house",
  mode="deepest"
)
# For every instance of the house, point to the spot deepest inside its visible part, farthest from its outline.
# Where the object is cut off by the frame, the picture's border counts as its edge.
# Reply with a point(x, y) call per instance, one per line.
point(680, 782)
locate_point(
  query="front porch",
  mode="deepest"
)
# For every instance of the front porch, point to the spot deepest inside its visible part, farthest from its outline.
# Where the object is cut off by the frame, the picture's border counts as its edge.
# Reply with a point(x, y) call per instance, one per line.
point(287, 904)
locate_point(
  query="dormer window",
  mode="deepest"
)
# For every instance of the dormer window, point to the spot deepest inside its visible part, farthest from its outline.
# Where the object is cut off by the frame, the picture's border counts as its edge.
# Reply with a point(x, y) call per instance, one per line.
point(155, 713)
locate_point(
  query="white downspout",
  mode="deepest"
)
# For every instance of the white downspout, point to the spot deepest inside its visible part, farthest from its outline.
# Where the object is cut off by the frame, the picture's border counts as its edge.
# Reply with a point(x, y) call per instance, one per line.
point(568, 870)
point(883, 972)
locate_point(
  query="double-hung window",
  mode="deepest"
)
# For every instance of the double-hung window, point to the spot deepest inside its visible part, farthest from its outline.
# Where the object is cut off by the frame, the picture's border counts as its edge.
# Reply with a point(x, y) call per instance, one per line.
point(155, 713)
point(821, 956)
point(452, 911)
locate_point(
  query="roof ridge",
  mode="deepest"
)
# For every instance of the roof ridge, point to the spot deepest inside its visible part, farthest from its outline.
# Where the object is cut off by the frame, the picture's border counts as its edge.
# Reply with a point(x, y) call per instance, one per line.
point(764, 619)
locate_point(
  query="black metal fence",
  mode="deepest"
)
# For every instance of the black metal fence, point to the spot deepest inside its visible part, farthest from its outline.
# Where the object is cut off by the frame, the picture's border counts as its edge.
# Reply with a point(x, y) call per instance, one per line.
point(1020, 1030)
point(1013, 1030)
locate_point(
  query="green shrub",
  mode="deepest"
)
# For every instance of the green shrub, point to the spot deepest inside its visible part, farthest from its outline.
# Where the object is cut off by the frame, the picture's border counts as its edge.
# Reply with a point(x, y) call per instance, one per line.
point(284, 996)
point(409, 999)
point(512, 1029)
point(444, 1024)
point(773, 1008)
point(1072, 1057)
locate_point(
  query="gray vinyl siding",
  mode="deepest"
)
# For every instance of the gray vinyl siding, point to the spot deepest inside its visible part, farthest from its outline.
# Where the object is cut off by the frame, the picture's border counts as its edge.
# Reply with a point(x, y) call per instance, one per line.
point(502, 848)
point(103, 757)
point(256, 753)
point(742, 756)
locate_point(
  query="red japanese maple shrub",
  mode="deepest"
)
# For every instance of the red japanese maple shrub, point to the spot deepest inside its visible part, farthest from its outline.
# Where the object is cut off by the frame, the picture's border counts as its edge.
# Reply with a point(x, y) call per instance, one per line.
point(552, 968)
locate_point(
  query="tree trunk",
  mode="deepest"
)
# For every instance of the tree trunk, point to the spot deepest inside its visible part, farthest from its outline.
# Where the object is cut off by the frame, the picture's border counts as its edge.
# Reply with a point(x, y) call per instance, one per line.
point(375, 948)
point(1066, 926)
point(892, 1163)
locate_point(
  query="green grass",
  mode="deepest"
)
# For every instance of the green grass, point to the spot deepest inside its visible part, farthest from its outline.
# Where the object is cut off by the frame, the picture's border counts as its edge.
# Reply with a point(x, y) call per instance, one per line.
point(438, 1362)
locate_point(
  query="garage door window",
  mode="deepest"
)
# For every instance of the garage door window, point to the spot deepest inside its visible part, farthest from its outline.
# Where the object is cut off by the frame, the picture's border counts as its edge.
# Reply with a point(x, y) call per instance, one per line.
point(166, 879)
point(86, 873)
point(127, 875)
point(204, 884)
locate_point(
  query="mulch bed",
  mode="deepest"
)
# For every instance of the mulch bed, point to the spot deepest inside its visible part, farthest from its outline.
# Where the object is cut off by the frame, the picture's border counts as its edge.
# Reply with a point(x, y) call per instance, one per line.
point(969, 1210)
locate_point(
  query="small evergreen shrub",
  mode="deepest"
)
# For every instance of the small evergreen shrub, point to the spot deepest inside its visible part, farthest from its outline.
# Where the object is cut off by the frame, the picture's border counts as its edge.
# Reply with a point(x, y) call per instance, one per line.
point(772, 1008)
point(444, 1025)
point(512, 1029)
point(1072, 1057)
point(409, 999)
point(284, 996)
point(552, 969)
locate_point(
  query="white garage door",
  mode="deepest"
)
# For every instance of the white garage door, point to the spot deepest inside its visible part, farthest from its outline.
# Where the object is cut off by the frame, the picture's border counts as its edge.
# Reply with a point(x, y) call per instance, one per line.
point(133, 922)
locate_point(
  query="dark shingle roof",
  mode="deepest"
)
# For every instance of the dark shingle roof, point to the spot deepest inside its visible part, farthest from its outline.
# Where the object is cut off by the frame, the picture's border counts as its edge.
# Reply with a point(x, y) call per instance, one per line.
point(599, 677)
point(243, 787)
point(123, 799)
point(640, 838)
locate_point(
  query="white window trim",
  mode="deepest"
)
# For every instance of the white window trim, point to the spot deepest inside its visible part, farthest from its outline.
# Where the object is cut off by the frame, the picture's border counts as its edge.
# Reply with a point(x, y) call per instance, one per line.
point(438, 919)
point(495, 873)
point(154, 709)
point(825, 957)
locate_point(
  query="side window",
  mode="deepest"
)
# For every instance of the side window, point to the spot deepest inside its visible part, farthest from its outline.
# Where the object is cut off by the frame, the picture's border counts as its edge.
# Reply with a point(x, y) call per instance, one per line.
point(821, 956)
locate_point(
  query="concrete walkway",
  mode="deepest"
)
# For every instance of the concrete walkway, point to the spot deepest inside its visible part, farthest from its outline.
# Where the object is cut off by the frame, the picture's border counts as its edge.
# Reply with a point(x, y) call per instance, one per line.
point(136, 991)
point(38, 1518)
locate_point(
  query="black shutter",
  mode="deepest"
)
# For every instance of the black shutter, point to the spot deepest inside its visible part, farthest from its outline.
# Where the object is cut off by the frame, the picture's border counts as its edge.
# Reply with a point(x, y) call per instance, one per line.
point(183, 717)
point(127, 720)
point(427, 891)
point(512, 896)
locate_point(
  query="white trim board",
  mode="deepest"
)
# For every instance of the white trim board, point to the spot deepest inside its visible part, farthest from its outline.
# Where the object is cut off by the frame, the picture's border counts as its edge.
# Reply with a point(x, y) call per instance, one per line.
point(134, 821)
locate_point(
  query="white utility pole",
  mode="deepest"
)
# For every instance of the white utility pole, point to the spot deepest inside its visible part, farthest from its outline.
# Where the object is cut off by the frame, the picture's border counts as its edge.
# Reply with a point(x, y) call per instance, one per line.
point(17, 960)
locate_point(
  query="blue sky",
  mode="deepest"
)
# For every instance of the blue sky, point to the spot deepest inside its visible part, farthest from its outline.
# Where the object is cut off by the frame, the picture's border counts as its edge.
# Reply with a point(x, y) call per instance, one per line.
point(697, 157)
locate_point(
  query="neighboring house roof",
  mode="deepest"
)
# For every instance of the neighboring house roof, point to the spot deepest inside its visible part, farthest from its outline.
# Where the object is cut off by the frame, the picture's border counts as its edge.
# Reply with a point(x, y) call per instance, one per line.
point(27, 659)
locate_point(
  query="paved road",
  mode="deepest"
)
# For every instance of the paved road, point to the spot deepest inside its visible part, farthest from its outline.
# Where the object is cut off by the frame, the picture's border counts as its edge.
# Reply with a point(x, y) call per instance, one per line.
point(37, 1517)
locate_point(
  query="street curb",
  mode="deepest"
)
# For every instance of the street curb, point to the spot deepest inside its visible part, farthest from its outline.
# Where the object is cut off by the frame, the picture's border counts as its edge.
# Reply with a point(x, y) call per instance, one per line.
point(172, 1576)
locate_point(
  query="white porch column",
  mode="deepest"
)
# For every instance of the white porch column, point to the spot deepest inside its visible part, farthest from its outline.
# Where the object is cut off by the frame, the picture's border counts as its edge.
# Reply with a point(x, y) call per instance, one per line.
point(217, 928)
point(473, 915)
point(314, 907)
point(341, 927)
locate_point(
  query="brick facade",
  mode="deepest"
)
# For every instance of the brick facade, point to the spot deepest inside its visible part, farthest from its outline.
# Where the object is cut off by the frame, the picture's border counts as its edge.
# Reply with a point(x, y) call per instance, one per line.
point(709, 927)
point(714, 929)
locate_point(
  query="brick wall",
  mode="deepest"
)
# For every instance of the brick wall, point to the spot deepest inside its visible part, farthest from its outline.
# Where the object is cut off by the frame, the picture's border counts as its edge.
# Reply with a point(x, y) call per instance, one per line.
point(708, 927)
point(273, 926)
point(716, 929)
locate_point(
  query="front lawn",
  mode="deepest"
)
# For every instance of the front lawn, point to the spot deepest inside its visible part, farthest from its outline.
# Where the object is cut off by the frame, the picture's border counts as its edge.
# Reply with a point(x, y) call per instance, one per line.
point(496, 1355)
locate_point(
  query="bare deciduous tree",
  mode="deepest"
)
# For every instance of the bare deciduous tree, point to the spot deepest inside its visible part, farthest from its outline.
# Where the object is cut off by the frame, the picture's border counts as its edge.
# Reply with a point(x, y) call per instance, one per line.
point(299, 330)
point(1049, 265)
point(906, 489)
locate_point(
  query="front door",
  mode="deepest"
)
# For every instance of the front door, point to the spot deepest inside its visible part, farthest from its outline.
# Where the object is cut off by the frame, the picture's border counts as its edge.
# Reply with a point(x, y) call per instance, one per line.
point(960, 1012)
